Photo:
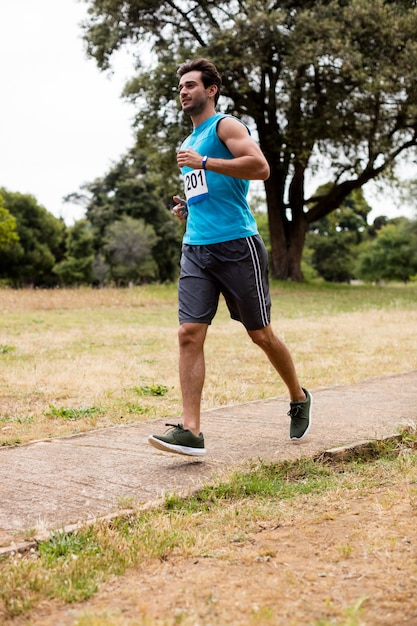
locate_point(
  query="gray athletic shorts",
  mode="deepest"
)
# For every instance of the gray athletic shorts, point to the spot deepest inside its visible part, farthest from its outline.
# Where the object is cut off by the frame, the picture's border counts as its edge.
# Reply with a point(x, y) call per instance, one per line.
point(238, 269)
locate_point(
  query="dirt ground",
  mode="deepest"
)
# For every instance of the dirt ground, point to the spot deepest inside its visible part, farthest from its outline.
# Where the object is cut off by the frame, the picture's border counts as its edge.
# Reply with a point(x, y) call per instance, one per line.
point(351, 564)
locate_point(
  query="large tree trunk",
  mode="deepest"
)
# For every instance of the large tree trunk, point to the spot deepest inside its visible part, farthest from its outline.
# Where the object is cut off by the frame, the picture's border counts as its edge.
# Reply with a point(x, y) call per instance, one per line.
point(287, 236)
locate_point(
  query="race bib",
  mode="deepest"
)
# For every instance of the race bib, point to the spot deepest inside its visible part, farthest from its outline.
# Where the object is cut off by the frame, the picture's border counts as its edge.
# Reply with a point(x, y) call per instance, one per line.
point(195, 183)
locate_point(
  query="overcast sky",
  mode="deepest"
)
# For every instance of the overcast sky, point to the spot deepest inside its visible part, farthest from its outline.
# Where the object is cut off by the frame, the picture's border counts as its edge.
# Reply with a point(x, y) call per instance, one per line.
point(62, 121)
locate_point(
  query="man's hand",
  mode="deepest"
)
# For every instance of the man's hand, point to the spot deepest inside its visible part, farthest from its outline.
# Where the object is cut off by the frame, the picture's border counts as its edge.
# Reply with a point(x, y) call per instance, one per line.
point(180, 210)
point(189, 158)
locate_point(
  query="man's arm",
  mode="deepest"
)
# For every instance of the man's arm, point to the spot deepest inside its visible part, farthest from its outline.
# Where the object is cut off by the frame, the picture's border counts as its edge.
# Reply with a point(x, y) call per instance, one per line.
point(249, 161)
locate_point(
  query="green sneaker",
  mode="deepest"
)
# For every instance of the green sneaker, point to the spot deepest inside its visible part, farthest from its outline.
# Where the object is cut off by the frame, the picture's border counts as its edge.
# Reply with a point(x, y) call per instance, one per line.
point(179, 440)
point(300, 413)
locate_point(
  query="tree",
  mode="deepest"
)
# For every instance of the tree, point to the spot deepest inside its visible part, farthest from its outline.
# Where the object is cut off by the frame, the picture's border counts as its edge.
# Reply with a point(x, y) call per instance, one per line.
point(40, 246)
point(328, 84)
point(128, 249)
point(392, 254)
point(334, 238)
point(77, 266)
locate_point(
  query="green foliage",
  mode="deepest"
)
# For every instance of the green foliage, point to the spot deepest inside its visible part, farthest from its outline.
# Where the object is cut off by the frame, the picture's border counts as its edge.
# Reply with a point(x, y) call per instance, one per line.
point(334, 238)
point(77, 266)
point(333, 258)
point(263, 228)
point(392, 254)
point(128, 245)
point(31, 259)
point(8, 233)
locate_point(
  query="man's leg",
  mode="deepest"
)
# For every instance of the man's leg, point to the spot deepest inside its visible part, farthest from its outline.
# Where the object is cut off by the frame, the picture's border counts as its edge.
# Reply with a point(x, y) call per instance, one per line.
point(186, 438)
point(280, 357)
point(191, 338)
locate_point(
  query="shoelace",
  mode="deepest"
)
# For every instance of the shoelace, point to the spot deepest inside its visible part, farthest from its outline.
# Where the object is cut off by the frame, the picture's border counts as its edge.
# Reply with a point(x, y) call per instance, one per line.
point(294, 411)
point(180, 426)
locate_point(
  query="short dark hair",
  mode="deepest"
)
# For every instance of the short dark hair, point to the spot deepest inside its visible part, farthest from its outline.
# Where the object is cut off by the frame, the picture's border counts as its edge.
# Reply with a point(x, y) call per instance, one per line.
point(209, 73)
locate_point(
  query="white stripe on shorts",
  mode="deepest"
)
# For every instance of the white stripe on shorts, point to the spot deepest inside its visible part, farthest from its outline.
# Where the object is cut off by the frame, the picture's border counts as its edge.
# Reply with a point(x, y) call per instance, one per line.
point(258, 278)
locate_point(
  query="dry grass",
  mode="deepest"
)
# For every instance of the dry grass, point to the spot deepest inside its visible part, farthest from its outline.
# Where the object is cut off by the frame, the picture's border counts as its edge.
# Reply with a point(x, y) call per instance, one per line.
point(102, 349)
point(337, 554)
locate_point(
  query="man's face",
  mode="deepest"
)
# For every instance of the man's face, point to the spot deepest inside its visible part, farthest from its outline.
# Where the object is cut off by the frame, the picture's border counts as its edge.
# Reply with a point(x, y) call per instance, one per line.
point(193, 95)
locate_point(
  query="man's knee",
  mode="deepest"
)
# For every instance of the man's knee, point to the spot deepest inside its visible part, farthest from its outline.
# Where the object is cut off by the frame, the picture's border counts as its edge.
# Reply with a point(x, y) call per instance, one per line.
point(191, 334)
point(263, 337)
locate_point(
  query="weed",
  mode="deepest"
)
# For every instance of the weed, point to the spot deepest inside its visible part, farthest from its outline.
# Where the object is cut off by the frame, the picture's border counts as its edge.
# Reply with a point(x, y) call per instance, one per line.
point(71, 413)
point(4, 349)
point(19, 419)
point(63, 545)
point(10, 442)
point(24, 419)
point(152, 390)
point(137, 409)
point(126, 502)
point(345, 551)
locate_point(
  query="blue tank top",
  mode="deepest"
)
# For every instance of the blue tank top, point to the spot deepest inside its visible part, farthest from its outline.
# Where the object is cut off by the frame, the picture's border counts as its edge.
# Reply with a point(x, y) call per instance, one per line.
point(218, 209)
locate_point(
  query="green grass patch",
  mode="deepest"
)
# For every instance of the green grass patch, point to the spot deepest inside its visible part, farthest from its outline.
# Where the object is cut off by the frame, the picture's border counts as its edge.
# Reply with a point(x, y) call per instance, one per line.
point(72, 413)
point(4, 349)
point(62, 545)
point(151, 390)
point(312, 299)
point(264, 481)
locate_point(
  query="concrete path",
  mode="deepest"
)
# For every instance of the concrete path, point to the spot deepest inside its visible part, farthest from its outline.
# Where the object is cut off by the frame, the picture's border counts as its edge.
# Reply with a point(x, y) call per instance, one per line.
point(51, 484)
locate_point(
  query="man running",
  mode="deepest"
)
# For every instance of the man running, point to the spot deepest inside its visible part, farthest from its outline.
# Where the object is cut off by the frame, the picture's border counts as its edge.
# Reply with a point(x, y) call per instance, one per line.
point(222, 252)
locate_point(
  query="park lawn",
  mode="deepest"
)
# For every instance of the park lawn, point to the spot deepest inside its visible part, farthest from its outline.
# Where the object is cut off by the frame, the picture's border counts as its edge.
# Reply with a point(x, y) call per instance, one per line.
point(73, 360)
point(300, 542)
